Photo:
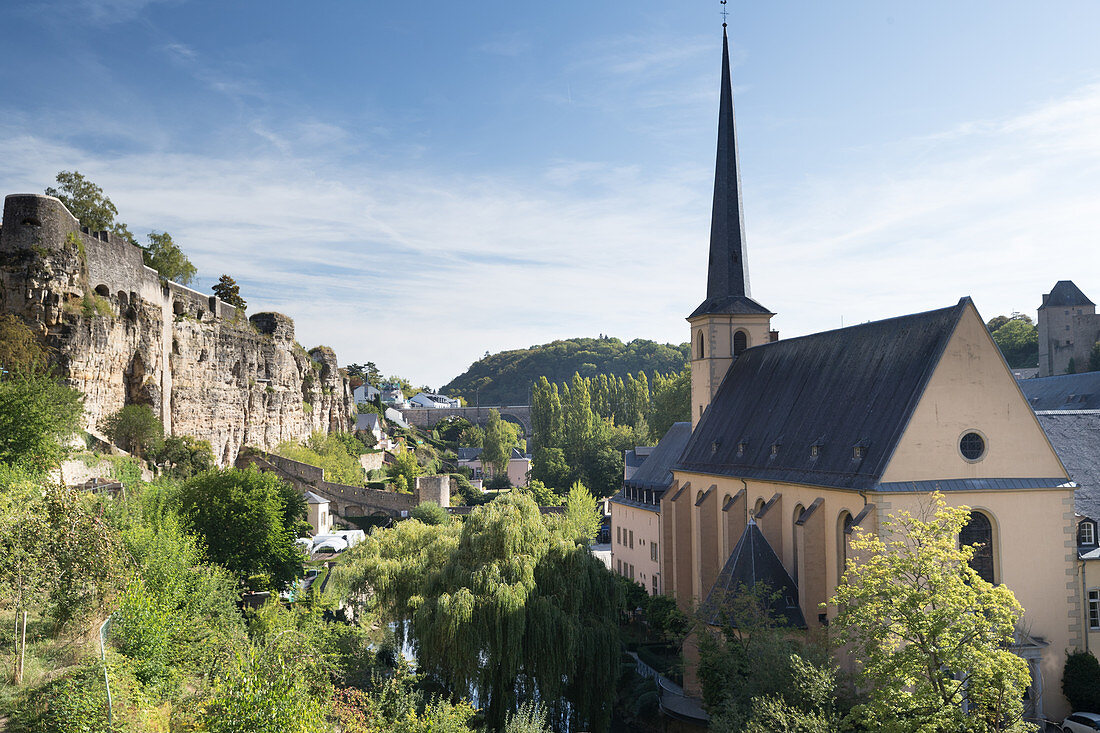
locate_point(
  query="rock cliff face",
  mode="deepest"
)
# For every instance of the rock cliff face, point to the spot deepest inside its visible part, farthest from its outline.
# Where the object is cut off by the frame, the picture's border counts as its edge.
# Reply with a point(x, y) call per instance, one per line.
point(122, 335)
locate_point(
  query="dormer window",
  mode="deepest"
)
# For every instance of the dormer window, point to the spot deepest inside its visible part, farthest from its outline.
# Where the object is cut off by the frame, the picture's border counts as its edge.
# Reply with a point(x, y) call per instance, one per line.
point(775, 449)
point(814, 450)
point(714, 446)
point(858, 451)
point(742, 446)
point(1086, 533)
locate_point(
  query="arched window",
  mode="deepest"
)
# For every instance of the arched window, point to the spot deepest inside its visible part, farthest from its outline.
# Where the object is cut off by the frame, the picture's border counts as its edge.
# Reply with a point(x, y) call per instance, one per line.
point(843, 537)
point(699, 345)
point(798, 509)
point(740, 342)
point(978, 533)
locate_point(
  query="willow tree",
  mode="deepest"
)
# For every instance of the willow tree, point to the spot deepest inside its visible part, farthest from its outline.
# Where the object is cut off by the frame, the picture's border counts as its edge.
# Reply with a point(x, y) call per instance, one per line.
point(516, 611)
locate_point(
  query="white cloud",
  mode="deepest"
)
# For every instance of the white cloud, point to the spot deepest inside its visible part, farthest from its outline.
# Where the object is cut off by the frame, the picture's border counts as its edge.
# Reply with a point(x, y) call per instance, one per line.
point(423, 271)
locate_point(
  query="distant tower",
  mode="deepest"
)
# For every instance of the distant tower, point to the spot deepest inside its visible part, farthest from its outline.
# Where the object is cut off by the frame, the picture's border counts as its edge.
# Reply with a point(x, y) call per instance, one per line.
point(728, 321)
point(1068, 327)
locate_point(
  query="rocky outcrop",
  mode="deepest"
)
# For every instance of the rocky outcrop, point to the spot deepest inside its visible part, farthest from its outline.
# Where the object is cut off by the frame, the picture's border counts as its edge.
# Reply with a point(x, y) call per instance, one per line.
point(122, 335)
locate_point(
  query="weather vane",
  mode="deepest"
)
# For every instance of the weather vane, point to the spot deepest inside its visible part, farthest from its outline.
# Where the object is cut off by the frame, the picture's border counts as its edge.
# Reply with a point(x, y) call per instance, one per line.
point(724, 13)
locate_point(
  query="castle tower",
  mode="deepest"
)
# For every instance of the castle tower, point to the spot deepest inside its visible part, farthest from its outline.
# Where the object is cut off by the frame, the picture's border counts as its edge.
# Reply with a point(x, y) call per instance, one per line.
point(1068, 327)
point(728, 321)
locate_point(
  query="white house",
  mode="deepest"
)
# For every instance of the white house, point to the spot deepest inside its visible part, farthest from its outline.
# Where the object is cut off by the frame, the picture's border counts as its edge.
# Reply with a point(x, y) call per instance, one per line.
point(365, 393)
point(320, 518)
point(428, 399)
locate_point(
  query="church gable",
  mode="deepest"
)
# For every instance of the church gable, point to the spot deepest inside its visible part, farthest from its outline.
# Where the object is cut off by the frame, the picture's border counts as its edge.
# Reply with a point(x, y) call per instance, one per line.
point(971, 420)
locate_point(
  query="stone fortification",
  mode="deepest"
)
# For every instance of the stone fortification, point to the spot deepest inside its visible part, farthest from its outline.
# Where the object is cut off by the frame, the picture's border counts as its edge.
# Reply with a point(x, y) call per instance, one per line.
point(123, 335)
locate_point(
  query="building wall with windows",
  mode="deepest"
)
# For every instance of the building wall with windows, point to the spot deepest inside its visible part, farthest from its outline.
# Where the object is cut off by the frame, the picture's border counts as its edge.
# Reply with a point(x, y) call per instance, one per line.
point(636, 542)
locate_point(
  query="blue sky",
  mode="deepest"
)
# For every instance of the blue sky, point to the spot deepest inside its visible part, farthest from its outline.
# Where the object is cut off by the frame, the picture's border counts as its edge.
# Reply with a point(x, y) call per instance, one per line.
point(418, 184)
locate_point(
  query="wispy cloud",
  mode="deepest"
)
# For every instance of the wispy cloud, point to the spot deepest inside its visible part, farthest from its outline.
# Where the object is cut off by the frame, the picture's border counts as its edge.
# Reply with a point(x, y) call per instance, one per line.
point(422, 271)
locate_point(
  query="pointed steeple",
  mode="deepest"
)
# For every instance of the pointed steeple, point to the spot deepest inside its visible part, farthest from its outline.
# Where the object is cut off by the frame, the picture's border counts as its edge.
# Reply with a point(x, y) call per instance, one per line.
point(727, 270)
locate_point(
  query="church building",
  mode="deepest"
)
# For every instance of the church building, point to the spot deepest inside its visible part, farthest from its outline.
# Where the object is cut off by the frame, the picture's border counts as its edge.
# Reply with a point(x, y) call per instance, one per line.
point(795, 442)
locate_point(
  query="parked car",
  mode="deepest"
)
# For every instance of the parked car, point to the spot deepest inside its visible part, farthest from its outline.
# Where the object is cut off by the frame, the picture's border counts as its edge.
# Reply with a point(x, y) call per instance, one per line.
point(1081, 723)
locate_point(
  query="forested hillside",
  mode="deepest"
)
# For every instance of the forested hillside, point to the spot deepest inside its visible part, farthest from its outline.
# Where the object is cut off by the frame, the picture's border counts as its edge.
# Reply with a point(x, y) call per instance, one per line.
point(506, 378)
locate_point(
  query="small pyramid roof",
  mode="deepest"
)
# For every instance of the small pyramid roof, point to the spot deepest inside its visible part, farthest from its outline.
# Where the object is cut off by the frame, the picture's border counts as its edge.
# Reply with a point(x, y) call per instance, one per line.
point(752, 562)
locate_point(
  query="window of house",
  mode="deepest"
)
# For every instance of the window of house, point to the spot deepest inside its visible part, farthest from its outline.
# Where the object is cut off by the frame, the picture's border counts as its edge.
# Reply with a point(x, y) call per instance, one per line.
point(632, 572)
point(1067, 327)
point(978, 533)
point(653, 551)
point(1086, 533)
point(619, 535)
point(619, 566)
point(655, 591)
point(631, 540)
point(1094, 609)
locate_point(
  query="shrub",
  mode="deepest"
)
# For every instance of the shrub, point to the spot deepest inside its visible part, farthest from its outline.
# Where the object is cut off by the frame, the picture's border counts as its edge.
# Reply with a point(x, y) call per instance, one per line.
point(134, 428)
point(1081, 681)
point(430, 513)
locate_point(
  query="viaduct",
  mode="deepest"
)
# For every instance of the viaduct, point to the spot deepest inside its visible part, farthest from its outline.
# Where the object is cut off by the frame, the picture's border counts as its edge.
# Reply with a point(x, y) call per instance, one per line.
point(426, 417)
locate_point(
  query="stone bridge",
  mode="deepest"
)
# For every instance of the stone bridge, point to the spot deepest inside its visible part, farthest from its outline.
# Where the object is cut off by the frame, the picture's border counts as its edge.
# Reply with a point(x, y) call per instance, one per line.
point(426, 417)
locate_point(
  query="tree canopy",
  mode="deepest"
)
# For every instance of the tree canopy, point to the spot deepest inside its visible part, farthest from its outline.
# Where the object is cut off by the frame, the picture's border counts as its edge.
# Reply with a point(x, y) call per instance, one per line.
point(1017, 338)
point(38, 415)
point(227, 290)
point(506, 603)
point(247, 521)
point(505, 378)
point(164, 256)
point(87, 202)
point(928, 631)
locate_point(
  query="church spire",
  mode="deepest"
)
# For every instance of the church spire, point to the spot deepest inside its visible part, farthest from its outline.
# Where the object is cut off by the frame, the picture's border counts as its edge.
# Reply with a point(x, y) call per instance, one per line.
point(727, 268)
point(727, 272)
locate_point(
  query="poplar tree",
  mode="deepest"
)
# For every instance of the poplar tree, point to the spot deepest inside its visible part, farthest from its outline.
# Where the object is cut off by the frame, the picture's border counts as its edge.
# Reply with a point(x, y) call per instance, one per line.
point(497, 445)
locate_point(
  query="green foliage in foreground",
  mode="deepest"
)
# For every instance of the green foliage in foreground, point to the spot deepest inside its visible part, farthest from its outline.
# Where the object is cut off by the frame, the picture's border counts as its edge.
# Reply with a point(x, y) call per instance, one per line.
point(38, 415)
point(508, 603)
point(928, 630)
point(247, 521)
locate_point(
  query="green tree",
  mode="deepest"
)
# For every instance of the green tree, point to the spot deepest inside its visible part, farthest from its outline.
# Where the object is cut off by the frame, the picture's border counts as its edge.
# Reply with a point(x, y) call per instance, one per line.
point(164, 256)
point(497, 446)
point(750, 656)
point(242, 519)
point(404, 470)
point(135, 428)
point(541, 493)
point(808, 706)
point(581, 514)
point(20, 349)
point(337, 453)
point(1081, 680)
point(579, 424)
point(87, 202)
point(505, 602)
point(1018, 340)
point(928, 631)
point(229, 291)
point(184, 456)
point(670, 402)
point(38, 415)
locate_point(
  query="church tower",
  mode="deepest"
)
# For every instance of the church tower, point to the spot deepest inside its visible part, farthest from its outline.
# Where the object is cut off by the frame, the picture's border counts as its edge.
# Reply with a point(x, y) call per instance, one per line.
point(728, 321)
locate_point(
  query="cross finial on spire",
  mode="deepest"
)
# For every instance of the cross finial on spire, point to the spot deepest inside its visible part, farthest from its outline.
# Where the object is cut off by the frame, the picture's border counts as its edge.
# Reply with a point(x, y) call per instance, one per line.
point(724, 13)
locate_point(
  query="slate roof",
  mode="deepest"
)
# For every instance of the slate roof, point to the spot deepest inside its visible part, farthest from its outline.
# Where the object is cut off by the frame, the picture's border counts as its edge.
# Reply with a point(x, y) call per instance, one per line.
point(727, 267)
point(1065, 293)
point(753, 561)
point(656, 472)
point(1076, 439)
point(837, 389)
point(312, 498)
point(1063, 392)
point(725, 304)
